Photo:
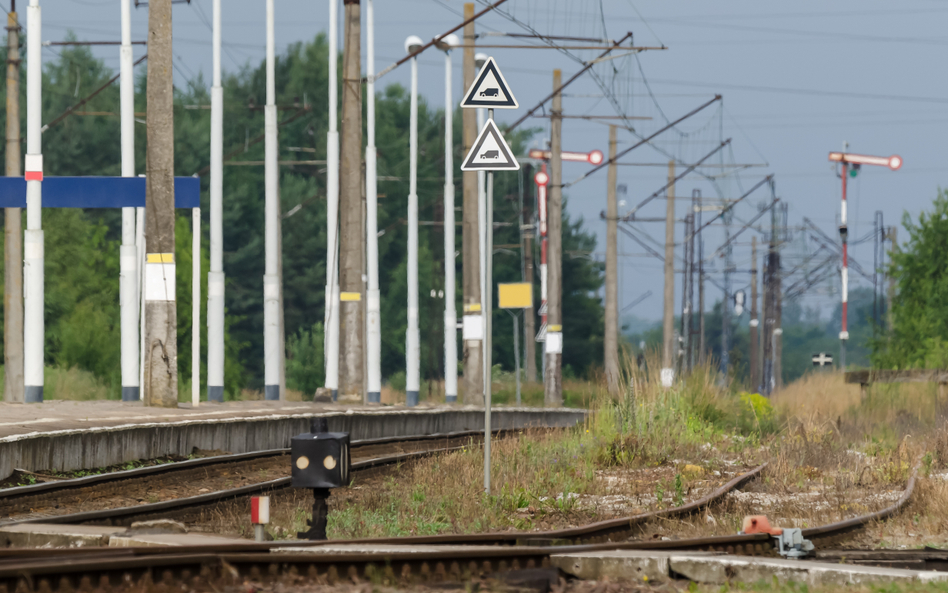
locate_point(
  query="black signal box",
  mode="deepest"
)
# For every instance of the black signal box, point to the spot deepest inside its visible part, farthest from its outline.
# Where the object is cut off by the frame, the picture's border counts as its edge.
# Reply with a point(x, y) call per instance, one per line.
point(320, 460)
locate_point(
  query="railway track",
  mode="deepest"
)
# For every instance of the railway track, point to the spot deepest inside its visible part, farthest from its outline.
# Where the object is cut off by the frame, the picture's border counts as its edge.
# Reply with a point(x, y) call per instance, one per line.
point(115, 493)
point(392, 560)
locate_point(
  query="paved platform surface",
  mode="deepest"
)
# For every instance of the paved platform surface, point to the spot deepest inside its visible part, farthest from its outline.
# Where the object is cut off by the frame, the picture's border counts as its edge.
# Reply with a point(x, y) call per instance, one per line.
point(718, 569)
point(56, 415)
point(66, 435)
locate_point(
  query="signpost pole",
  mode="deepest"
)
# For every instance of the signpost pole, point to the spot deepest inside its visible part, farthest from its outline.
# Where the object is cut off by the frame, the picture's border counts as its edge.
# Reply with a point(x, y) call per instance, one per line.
point(488, 312)
point(516, 328)
point(489, 153)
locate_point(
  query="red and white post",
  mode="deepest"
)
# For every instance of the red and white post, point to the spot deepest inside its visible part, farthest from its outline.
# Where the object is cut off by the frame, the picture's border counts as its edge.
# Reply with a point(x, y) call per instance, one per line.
point(259, 516)
point(542, 179)
point(843, 235)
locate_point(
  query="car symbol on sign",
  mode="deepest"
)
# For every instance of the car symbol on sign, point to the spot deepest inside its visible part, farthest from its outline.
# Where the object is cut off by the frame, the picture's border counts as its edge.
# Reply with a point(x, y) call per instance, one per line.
point(491, 154)
point(490, 92)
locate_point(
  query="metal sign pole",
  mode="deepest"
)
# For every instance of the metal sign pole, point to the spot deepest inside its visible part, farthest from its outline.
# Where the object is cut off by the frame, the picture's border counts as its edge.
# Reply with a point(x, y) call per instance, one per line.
point(488, 311)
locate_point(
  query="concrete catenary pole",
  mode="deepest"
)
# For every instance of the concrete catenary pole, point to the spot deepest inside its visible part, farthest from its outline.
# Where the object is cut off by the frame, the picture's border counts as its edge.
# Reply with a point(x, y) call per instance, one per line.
point(373, 295)
point(473, 390)
point(161, 347)
point(128, 280)
point(351, 228)
point(668, 316)
point(271, 278)
point(754, 322)
point(611, 339)
point(450, 307)
point(413, 336)
point(331, 318)
point(13, 227)
point(33, 277)
point(552, 372)
point(215, 277)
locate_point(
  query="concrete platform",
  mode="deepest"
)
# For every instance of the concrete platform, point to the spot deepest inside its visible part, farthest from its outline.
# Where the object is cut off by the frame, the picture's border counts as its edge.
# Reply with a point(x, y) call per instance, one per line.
point(172, 539)
point(67, 435)
point(45, 535)
point(711, 568)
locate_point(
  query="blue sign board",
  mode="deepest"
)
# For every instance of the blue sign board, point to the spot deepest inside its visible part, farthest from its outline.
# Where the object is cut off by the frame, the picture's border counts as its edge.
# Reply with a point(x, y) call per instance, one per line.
point(96, 192)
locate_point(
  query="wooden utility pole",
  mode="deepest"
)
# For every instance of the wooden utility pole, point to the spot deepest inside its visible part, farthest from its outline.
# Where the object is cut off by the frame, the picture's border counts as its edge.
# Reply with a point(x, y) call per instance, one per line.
point(611, 340)
point(13, 232)
point(473, 385)
point(553, 375)
point(351, 241)
point(161, 347)
point(668, 318)
point(529, 317)
point(754, 322)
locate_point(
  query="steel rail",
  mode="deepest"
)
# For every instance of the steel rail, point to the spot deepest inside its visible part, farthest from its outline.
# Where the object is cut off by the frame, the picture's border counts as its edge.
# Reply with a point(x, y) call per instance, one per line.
point(85, 481)
point(124, 515)
point(137, 568)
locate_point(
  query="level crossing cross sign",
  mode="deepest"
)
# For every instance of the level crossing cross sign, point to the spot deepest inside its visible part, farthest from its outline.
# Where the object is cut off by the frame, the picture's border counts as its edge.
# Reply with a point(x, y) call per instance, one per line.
point(490, 152)
point(489, 90)
point(822, 359)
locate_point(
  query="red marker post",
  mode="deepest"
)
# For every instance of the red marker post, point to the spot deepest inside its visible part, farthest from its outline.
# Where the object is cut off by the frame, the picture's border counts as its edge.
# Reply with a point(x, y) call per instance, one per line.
point(846, 159)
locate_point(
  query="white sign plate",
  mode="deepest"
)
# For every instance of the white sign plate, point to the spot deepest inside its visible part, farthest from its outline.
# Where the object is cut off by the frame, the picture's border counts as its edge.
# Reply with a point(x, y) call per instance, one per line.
point(490, 152)
point(489, 90)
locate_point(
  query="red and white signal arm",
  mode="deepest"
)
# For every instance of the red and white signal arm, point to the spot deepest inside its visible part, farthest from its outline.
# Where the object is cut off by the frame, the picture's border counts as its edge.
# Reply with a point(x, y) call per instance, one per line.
point(893, 162)
point(593, 158)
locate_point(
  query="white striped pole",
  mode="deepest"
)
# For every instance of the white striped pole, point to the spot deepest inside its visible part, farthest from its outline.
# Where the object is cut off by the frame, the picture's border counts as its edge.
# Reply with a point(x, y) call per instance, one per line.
point(331, 318)
point(128, 280)
point(373, 296)
point(195, 306)
point(413, 337)
point(33, 277)
point(450, 307)
point(215, 277)
point(271, 278)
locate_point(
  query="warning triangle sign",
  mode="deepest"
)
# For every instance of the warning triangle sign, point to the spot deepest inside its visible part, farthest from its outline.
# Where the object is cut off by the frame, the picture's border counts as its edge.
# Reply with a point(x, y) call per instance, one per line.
point(490, 152)
point(489, 90)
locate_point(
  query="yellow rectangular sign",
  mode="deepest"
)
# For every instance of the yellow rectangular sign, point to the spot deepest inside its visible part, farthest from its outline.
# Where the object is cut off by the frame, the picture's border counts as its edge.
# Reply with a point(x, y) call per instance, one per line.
point(518, 295)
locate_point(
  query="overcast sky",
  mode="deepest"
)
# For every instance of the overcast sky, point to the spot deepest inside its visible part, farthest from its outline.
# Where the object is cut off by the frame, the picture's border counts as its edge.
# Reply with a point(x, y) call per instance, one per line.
point(797, 79)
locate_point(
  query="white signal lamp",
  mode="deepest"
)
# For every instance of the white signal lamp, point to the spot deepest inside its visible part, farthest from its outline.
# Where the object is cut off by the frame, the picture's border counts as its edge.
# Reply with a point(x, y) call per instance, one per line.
point(541, 178)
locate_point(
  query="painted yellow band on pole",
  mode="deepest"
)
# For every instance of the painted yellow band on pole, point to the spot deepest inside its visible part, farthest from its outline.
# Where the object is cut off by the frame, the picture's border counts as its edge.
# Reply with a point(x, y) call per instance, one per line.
point(350, 296)
point(160, 258)
point(555, 328)
point(472, 308)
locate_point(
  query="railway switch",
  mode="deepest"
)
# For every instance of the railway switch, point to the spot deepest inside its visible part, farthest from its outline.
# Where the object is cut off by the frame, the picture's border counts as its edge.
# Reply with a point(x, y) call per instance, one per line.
point(788, 540)
point(320, 461)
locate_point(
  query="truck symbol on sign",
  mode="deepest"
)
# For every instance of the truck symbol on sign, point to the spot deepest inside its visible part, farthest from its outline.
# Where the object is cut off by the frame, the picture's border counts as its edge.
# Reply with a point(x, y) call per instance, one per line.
point(491, 154)
point(490, 92)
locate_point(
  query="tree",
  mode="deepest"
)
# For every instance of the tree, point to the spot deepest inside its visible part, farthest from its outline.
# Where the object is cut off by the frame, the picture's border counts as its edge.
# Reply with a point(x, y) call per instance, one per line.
point(919, 336)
